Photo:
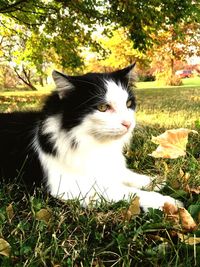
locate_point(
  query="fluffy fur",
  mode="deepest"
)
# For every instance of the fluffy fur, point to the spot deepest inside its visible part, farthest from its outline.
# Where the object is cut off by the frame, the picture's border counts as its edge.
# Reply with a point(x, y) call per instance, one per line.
point(74, 145)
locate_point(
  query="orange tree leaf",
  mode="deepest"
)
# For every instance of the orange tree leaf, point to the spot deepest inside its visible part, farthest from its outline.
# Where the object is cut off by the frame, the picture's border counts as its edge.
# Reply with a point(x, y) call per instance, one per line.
point(172, 143)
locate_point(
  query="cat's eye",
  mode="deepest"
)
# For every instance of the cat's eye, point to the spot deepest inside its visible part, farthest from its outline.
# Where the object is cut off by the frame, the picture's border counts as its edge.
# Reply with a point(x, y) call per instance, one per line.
point(129, 103)
point(103, 107)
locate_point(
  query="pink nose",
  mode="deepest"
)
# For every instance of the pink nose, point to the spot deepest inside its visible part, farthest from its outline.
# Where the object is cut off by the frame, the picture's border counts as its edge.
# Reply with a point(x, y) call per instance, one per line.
point(126, 124)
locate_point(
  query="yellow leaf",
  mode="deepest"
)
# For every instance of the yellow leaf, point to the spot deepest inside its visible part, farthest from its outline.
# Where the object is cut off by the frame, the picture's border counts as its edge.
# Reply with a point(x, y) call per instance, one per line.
point(189, 240)
point(4, 247)
point(10, 212)
point(43, 215)
point(172, 143)
point(133, 210)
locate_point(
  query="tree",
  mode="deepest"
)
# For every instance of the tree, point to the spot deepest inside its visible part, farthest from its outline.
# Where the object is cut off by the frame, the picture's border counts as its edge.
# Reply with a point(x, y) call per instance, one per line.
point(63, 28)
point(119, 53)
point(143, 19)
point(66, 26)
point(171, 46)
point(75, 21)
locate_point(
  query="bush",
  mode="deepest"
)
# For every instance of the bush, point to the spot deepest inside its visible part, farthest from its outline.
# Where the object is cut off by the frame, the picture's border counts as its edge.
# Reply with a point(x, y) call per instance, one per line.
point(146, 78)
point(174, 80)
point(166, 78)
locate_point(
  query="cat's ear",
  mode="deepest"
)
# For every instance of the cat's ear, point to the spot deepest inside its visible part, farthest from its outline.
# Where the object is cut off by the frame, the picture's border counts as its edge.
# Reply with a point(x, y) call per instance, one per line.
point(63, 83)
point(125, 76)
point(126, 72)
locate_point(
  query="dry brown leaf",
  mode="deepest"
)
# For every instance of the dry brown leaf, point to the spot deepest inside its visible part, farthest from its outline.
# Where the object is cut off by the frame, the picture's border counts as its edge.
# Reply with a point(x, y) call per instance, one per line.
point(170, 209)
point(172, 143)
point(134, 209)
point(43, 215)
point(179, 216)
point(184, 177)
point(4, 247)
point(192, 190)
point(189, 240)
point(10, 212)
point(186, 220)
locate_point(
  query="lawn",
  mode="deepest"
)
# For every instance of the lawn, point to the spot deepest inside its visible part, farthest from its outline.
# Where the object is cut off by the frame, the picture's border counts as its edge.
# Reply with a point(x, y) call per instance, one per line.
point(188, 82)
point(41, 231)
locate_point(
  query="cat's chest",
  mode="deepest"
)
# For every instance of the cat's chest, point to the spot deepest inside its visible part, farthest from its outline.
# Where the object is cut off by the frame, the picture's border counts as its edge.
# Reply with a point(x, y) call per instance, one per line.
point(82, 171)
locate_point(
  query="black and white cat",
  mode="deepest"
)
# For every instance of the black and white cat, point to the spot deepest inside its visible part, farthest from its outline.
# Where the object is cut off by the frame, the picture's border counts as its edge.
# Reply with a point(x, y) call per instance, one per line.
point(74, 145)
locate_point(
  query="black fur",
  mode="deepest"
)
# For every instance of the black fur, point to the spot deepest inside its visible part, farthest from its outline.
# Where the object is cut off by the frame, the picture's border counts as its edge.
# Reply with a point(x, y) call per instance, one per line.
point(17, 157)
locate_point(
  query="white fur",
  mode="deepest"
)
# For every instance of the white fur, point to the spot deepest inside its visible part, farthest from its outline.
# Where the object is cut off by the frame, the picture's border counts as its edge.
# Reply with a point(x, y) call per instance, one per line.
point(96, 167)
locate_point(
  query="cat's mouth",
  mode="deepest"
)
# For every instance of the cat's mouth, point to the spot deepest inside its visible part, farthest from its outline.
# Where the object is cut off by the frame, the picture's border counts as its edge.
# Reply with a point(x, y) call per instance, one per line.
point(109, 134)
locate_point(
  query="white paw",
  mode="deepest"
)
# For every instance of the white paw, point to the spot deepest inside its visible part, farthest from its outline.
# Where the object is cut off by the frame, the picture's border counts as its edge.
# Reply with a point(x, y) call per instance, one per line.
point(136, 180)
point(156, 200)
point(144, 181)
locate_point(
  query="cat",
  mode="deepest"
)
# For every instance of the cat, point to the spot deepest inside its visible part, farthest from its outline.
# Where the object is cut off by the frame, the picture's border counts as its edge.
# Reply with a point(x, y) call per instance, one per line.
point(73, 146)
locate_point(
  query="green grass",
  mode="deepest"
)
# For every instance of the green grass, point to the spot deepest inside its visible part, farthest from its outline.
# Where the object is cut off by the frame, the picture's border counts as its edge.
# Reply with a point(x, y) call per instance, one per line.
point(75, 236)
point(168, 107)
point(187, 82)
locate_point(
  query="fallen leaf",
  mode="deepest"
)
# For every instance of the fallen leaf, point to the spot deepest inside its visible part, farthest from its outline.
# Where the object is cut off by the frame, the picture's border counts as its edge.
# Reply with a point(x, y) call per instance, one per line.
point(172, 143)
point(170, 209)
point(192, 190)
point(4, 247)
point(10, 212)
point(133, 210)
point(186, 220)
point(179, 216)
point(43, 215)
point(189, 240)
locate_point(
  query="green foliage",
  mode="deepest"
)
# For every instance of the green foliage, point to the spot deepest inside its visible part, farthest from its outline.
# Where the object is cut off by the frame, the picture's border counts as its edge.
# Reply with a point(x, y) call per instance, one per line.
point(66, 27)
point(62, 26)
point(144, 18)
point(118, 50)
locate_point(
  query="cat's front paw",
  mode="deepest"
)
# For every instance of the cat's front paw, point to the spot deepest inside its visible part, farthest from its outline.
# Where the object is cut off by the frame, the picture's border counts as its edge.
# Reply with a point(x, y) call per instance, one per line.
point(137, 180)
point(156, 200)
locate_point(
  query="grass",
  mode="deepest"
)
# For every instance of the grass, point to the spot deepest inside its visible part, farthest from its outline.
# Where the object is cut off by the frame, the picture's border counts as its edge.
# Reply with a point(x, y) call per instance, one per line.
point(70, 235)
point(188, 82)
point(169, 107)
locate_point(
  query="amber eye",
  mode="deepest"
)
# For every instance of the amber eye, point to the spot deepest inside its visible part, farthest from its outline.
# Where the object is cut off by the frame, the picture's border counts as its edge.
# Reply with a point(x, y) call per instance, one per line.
point(129, 103)
point(103, 107)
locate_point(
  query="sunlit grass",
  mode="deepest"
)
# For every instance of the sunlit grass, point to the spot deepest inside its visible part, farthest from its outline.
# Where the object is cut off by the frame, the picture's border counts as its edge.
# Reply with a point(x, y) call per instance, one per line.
point(187, 82)
point(169, 107)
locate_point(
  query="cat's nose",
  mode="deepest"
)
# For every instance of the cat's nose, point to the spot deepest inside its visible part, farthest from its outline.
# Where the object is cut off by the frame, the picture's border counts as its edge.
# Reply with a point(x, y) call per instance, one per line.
point(126, 124)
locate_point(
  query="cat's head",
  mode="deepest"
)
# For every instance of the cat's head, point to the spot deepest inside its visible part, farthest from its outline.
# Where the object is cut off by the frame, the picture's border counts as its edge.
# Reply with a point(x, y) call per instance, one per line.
point(100, 104)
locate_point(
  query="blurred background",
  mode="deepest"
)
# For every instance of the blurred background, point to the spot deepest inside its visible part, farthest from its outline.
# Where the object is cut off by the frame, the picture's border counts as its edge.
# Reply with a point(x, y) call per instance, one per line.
point(81, 36)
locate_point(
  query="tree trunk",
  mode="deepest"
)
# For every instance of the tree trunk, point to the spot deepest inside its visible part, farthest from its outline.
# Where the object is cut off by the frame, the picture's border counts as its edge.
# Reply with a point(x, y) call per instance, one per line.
point(25, 80)
point(172, 68)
